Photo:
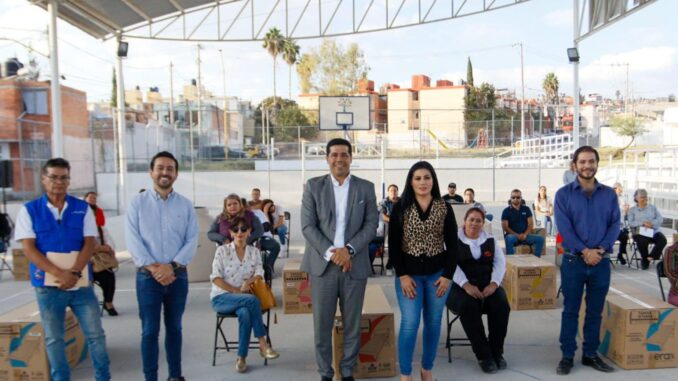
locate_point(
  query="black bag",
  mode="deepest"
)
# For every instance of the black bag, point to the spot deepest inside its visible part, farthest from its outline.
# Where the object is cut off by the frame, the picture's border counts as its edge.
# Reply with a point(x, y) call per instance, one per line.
point(6, 227)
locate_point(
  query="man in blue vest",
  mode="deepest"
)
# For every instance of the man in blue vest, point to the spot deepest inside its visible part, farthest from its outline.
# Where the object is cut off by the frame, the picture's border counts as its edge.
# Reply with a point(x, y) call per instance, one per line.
point(61, 224)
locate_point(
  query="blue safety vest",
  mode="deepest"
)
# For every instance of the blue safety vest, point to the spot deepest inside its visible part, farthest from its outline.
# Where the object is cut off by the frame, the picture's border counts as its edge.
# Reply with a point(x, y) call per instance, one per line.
point(61, 236)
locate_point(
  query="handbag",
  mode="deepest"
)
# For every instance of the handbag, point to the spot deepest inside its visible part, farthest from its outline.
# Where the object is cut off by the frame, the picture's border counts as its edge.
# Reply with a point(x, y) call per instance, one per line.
point(103, 261)
point(263, 292)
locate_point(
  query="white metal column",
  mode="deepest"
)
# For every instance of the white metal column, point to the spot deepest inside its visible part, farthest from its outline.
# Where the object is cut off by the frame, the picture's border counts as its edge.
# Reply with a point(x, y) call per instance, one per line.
point(57, 130)
point(575, 94)
point(122, 163)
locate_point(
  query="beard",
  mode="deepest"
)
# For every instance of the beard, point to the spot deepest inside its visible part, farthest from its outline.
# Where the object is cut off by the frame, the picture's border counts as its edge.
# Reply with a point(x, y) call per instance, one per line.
point(164, 182)
point(587, 174)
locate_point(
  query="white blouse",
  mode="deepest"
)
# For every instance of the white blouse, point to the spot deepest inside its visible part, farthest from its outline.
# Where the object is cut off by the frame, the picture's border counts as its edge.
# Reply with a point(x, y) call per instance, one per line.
point(227, 266)
point(498, 264)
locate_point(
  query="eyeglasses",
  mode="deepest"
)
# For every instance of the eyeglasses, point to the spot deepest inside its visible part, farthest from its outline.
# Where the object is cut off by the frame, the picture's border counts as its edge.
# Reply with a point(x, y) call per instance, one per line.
point(516, 197)
point(55, 179)
point(242, 229)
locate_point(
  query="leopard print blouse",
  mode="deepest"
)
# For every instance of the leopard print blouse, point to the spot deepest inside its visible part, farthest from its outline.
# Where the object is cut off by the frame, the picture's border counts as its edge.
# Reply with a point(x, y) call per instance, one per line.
point(424, 238)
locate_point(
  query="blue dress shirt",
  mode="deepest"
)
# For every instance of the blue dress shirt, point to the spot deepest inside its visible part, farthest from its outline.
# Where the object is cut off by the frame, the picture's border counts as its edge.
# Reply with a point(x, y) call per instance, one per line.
point(587, 221)
point(161, 231)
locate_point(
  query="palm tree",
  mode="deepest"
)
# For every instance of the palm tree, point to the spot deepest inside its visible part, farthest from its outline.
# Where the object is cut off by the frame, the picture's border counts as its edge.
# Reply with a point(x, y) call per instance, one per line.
point(273, 43)
point(290, 53)
point(550, 86)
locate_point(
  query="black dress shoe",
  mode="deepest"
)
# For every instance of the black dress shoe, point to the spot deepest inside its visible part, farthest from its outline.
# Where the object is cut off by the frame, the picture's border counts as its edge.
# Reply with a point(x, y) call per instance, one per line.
point(111, 311)
point(323, 378)
point(564, 366)
point(349, 378)
point(597, 363)
point(644, 264)
point(488, 366)
point(621, 260)
point(501, 362)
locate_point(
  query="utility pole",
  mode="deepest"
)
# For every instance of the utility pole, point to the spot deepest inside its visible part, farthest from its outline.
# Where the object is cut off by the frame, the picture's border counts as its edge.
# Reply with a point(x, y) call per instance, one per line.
point(171, 100)
point(122, 128)
point(522, 92)
point(199, 92)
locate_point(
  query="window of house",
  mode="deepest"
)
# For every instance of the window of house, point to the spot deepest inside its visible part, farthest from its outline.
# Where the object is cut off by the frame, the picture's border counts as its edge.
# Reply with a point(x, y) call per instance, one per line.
point(35, 101)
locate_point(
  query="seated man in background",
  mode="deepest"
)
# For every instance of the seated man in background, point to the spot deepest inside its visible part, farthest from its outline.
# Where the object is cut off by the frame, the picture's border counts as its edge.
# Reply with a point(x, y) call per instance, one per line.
point(452, 197)
point(470, 198)
point(518, 224)
point(645, 221)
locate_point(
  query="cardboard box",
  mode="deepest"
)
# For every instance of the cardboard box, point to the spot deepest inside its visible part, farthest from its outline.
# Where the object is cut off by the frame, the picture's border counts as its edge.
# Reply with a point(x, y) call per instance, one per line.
point(20, 267)
point(377, 357)
point(638, 330)
point(296, 289)
point(530, 283)
point(22, 344)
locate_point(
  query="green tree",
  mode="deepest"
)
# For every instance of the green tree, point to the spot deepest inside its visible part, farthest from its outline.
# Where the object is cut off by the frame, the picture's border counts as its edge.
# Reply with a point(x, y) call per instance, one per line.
point(627, 126)
point(273, 43)
point(281, 122)
point(469, 72)
point(290, 53)
point(331, 69)
point(550, 86)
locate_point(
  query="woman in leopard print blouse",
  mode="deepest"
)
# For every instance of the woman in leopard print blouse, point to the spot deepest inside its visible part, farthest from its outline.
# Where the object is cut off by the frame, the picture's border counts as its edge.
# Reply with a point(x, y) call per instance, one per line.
point(423, 250)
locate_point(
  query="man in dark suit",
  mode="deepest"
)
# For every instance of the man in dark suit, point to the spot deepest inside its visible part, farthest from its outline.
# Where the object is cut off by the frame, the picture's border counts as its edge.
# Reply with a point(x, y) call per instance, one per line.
point(338, 219)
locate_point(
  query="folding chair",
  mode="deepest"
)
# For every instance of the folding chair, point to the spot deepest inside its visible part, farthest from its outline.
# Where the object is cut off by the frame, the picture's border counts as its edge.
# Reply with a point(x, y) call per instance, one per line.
point(4, 251)
point(288, 223)
point(661, 274)
point(379, 256)
point(228, 344)
point(453, 341)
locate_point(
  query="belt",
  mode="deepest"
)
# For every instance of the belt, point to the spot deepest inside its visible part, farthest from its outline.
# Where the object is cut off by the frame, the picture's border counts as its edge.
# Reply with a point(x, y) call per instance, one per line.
point(176, 266)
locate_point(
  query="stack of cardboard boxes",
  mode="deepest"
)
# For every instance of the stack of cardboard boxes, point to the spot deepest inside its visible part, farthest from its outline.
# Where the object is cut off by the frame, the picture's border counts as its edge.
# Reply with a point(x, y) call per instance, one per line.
point(530, 283)
point(377, 356)
point(639, 331)
point(296, 289)
point(20, 267)
point(22, 344)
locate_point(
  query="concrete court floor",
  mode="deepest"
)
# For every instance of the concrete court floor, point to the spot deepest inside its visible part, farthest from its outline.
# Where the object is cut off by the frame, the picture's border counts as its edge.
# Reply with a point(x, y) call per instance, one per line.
point(531, 346)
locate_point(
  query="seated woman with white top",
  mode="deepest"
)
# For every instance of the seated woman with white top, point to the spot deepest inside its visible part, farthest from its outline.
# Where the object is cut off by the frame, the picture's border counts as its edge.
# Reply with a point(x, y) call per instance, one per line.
point(235, 267)
point(477, 290)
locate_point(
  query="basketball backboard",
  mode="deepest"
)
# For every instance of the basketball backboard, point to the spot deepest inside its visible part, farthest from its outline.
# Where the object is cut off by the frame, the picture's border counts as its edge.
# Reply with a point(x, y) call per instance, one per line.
point(345, 113)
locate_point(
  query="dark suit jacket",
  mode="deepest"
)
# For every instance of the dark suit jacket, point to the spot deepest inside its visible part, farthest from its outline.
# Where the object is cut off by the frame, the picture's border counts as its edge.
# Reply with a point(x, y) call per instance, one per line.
point(318, 223)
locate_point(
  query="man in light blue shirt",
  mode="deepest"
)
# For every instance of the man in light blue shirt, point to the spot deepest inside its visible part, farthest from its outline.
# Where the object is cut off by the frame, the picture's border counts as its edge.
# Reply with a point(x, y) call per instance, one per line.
point(162, 237)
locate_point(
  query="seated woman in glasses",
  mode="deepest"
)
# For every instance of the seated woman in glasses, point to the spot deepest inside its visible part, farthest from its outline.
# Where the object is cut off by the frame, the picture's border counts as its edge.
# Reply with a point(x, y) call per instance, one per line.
point(235, 267)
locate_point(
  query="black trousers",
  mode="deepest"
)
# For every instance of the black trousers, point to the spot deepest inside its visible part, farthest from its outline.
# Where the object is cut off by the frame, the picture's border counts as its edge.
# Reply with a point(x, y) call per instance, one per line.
point(497, 309)
point(643, 243)
point(623, 240)
point(106, 280)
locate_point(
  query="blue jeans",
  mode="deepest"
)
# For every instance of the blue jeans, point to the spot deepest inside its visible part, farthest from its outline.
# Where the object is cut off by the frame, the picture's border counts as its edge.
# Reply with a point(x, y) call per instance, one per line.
point(153, 297)
point(52, 303)
point(282, 233)
point(248, 309)
point(545, 222)
point(410, 315)
point(575, 274)
point(532, 239)
point(273, 247)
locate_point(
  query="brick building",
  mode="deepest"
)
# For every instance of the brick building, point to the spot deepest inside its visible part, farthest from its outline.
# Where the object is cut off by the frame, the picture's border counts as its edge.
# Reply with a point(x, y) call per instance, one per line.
point(26, 132)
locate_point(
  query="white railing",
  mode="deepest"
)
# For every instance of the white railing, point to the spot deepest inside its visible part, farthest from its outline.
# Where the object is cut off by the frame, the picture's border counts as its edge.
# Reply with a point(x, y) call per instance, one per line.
point(657, 173)
point(550, 151)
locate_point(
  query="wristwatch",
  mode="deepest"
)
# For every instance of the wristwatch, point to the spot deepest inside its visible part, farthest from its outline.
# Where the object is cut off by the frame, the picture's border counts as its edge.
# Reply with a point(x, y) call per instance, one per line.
point(77, 273)
point(351, 251)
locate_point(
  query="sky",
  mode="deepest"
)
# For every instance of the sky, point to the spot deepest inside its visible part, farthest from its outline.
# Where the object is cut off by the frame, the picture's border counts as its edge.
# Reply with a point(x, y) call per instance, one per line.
point(647, 41)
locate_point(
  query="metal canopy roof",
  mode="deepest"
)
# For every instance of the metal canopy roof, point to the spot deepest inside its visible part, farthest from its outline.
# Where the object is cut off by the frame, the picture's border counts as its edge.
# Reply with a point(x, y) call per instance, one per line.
point(103, 18)
point(248, 20)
